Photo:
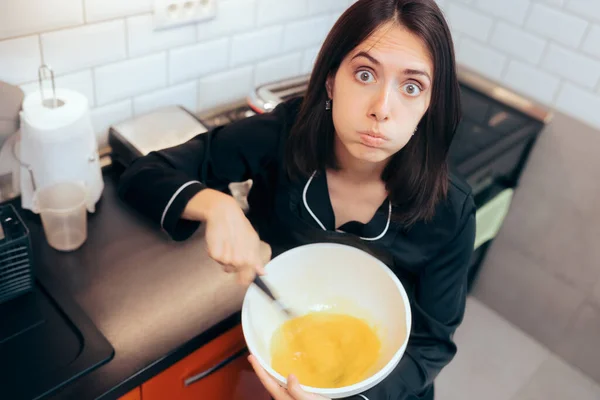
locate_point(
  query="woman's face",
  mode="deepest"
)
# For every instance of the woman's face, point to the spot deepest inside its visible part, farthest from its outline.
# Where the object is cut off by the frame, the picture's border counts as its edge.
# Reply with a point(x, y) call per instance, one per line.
point(380, 92)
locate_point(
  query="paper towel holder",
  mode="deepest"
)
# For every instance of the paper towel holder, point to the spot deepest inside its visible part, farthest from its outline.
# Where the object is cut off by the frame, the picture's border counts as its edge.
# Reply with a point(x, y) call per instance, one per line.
point(52, 102)
point(57, 142)
point(24, 165)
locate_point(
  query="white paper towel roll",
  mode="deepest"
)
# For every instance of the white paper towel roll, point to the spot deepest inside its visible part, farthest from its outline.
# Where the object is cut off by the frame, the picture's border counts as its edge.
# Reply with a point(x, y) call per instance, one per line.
point(59, 145)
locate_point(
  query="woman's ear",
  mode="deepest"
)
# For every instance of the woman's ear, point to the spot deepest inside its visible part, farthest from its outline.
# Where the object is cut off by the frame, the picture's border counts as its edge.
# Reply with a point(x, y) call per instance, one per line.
point(329, 86)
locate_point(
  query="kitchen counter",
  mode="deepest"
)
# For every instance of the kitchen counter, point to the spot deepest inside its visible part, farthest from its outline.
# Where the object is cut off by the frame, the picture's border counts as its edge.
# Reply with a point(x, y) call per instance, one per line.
point(154, 299)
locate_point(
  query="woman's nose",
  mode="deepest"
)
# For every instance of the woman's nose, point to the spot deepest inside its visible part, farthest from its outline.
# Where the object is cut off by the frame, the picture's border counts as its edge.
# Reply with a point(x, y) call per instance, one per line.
point(380, 107)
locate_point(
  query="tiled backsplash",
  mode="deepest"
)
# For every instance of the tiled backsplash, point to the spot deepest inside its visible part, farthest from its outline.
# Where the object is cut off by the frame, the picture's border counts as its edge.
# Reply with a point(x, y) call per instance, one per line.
point(548, 50)
point(108, 51)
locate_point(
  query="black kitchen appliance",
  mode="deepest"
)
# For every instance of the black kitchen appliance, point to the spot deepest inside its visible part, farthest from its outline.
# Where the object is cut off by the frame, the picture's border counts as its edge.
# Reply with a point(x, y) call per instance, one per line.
point(16, 266)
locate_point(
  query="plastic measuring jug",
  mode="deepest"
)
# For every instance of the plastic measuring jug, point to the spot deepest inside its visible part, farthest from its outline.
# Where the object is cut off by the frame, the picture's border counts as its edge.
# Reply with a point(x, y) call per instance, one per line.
point(62, 208)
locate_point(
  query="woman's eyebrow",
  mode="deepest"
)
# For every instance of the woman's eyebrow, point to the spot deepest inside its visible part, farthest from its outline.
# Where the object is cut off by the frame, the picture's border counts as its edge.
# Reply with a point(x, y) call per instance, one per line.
point(417, 72)
point(367, 56)
point(407, 71)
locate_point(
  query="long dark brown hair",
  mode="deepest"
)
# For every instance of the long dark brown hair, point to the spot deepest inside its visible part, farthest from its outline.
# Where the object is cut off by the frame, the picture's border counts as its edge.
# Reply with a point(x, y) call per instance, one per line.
point(416, 177)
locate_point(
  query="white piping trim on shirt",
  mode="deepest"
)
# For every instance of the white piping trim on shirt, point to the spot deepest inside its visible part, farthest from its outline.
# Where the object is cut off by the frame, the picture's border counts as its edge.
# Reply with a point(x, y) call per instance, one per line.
point(363, 396)
point(164, 214)
point(306, 203)
point(382, 234)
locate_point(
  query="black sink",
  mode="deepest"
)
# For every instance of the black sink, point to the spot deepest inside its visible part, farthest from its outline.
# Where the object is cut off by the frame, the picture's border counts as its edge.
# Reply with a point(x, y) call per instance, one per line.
point(46, 341)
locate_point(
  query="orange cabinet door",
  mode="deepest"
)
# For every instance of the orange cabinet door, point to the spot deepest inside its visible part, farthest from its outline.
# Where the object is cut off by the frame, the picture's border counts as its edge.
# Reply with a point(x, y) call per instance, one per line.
point(218, 370)
point(135, 394)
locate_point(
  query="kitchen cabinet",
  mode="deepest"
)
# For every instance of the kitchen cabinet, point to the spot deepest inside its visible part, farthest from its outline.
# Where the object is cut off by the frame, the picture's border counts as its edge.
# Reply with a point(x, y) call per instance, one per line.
point(219, 370)
point(135, 394)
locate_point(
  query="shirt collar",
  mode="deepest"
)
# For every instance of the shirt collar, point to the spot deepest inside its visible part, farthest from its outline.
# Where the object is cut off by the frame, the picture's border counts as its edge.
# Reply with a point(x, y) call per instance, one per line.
point(317, 197)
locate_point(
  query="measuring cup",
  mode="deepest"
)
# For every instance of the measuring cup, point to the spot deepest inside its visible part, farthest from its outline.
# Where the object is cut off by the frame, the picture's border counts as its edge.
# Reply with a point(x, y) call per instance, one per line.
point(62, 208)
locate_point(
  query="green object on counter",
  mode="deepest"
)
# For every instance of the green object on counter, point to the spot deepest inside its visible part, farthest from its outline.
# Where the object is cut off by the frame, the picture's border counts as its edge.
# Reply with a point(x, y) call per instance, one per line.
point(490, 217)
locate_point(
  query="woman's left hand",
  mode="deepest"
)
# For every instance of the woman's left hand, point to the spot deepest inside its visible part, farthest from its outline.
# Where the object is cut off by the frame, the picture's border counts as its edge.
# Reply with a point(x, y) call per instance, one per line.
point(293, 392)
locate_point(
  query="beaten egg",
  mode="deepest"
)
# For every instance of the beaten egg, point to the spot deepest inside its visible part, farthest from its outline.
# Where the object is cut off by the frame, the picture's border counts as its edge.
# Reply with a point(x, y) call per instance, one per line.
point(325, 350)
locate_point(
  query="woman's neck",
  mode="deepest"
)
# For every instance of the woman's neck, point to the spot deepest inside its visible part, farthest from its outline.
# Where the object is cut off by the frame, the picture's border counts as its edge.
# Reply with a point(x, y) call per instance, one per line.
point(356, 170)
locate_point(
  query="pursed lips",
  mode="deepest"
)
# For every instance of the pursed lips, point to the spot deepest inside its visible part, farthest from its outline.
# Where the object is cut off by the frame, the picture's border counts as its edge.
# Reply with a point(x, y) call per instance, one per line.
point(372, 139)
point(374, 134)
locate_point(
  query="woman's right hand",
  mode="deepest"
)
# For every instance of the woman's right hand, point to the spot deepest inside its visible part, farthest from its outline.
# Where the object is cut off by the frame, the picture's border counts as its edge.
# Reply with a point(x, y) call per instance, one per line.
point(230, 238)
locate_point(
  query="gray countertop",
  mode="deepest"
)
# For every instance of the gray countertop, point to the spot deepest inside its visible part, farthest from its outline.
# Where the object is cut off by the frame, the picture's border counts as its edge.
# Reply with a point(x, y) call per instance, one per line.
point(151, 297)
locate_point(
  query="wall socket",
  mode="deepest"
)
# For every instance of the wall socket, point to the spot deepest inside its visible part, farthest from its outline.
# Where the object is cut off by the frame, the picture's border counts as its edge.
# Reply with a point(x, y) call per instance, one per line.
point(172, 13)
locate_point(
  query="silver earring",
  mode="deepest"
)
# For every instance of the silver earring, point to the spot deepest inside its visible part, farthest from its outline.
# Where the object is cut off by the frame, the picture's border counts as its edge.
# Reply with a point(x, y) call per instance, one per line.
point(328, 104)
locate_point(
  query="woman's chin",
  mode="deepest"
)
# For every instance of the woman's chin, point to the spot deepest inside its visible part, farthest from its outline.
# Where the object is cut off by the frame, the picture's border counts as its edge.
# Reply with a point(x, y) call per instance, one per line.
point(369, 154)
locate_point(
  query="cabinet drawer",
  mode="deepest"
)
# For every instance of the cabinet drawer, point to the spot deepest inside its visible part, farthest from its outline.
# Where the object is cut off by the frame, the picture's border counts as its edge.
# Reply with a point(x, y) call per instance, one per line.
point(218, 370)
point(135, 394)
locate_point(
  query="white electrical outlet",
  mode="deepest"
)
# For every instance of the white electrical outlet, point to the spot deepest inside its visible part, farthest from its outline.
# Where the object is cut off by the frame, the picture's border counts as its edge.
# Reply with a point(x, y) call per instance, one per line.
point(171, 13)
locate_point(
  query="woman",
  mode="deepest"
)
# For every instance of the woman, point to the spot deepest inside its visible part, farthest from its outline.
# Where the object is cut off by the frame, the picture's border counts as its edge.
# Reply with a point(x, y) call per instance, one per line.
point(360, 159)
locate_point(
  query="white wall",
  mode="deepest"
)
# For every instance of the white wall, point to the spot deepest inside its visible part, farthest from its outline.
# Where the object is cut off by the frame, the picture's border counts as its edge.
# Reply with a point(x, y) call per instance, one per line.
point(107, 50)
point(546, 49)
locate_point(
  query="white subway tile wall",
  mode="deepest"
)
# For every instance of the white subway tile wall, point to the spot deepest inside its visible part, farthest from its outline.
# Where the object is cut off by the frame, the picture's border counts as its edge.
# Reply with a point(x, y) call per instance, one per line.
point(322, 6)
point(303, 34)
point(557, 25)
point(278, 68)
point(527, 79)
point(585, 8)
point(257, 45)
point(105, 116)
point(97, 10)
point(517, 43)
point(481, 58)
point(308, 59)
point(278, 11)
point(570, 65)
point(218, 89)
point(194, 61)
point(128, 78)
point(24, 17)
point(185, 94)
point(334, 17)
point(233, 16)
point(510, 10)
point(548, 50)
point(143, 38)
point(557, 3)
point(21, 59)
point(464, 19)
point(591, 45)
point(83, 47)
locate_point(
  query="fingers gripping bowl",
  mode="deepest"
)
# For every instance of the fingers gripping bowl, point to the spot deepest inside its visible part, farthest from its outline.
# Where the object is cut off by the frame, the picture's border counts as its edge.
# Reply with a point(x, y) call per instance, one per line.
point(334, 278)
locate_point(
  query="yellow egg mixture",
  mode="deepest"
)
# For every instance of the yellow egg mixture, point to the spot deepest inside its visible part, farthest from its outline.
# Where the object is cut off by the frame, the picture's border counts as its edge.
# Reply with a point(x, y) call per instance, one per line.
point(325, 350)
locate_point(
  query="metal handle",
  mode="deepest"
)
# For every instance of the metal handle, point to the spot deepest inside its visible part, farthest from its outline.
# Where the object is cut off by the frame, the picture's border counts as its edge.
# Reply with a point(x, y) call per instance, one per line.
point(215, 368)
point(265, 253)
point(24, 165)
point(50, 103)
point(264, 287)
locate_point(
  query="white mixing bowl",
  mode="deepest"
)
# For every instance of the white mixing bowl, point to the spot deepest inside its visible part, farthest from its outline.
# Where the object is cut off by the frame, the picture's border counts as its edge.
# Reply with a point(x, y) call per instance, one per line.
point(330, 276)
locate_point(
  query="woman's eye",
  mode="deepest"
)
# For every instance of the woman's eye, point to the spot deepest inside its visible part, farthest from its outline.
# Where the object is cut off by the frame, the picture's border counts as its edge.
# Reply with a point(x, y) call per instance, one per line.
point(365, 77)
point(411, 89)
